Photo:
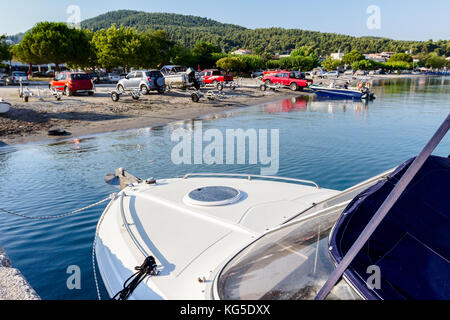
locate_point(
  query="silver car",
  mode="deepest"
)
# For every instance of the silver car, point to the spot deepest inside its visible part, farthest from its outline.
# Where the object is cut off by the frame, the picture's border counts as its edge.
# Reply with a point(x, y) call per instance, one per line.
point(15, 78)
point(143, 80)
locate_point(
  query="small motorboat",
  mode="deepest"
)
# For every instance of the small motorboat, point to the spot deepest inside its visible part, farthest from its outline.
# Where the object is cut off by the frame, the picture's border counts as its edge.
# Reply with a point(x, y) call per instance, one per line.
point(218, 236)
point(361, 92)
point(4, 106)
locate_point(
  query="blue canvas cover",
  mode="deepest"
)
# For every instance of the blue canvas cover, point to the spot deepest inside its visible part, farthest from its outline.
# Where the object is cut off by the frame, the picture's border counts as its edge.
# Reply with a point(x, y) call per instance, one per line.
point(411, 246)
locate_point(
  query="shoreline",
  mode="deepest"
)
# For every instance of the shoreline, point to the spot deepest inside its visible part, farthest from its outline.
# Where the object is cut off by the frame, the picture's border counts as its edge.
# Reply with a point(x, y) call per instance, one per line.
point(85, 116)
point(81, 116)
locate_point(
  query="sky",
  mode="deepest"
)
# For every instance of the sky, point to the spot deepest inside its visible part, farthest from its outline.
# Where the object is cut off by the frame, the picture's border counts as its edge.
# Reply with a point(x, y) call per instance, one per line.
point(399, 19)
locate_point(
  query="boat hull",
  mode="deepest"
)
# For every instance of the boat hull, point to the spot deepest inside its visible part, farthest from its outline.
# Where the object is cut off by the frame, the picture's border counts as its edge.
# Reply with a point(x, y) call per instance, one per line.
point(4, 107)
point(338, 93)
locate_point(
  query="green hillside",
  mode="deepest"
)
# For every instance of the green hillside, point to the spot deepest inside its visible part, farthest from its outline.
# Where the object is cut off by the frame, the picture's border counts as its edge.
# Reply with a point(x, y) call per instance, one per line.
point(187, 30)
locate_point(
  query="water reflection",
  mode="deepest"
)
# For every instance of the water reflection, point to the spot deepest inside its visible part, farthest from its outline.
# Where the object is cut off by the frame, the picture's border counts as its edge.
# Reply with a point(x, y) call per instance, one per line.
point(308, 104)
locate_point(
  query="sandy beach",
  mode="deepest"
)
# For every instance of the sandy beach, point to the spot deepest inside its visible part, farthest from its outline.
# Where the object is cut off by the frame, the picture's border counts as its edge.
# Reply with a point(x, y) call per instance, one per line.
point(83, 115)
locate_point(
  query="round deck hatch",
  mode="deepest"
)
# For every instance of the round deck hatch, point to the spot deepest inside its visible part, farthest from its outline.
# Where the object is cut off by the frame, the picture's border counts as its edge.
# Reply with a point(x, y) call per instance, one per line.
point(213, 196)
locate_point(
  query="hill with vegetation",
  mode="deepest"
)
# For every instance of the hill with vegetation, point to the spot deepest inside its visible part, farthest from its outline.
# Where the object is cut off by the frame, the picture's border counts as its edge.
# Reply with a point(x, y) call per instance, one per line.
point(188, 30)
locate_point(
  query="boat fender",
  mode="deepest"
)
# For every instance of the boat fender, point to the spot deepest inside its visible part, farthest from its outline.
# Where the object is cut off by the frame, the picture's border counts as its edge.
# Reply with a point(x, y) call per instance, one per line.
point(147, 269)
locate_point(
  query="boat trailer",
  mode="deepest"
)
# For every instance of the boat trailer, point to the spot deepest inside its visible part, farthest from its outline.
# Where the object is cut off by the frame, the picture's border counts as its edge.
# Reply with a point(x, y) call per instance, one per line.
point(210, 95)
point(25, 93)
point(116, 94)
point(273, 87)
point(221, 85)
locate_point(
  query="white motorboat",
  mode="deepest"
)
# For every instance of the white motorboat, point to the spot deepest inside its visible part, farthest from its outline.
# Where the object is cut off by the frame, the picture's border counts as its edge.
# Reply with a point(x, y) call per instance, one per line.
point(193, 225)
point(210, 236)
point(4, 106)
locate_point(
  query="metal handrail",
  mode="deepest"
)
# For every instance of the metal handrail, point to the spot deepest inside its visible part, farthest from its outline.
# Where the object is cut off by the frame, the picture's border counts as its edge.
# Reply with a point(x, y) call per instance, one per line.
point(127, 227)
point(250, 176)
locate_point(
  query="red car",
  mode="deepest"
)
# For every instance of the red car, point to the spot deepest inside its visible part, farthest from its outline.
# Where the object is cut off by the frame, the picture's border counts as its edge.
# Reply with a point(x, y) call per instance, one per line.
point(214, 76)
point(73, 82)
point(285, 78)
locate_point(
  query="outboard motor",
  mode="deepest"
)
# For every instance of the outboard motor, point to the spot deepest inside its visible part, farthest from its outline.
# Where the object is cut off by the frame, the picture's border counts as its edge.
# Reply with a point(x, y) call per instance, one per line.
point(365, 93)
point(190, 72)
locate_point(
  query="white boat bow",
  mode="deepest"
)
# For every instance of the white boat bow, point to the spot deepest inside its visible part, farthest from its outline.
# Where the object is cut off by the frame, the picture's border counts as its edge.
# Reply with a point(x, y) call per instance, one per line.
point(179, 223)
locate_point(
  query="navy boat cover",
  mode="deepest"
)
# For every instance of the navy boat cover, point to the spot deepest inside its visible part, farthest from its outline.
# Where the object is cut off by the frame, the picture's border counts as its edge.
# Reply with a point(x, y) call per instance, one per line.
point(411, 246)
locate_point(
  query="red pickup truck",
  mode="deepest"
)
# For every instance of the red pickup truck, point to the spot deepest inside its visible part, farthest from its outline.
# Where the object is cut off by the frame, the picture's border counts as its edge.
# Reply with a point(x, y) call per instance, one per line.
point(285, 78)
point(214, 76)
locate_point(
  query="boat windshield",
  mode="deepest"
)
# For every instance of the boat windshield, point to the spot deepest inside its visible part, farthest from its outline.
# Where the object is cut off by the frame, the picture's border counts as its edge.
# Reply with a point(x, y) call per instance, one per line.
point(292, 262)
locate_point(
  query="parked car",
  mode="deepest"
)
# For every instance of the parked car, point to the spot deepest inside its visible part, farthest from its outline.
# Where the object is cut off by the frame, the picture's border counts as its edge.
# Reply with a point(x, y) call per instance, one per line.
point(15, 77)
point(38, 74)
point(361, 73)
point(123, 75)
point(143, 80)
point(50, 73)
point(73, 82)
point(317, 72)
point(111, 78)
point(348, 72)
point(287, 79)
point(95, 77)
point(257, 73)
point(214, 76)
point(333, 73)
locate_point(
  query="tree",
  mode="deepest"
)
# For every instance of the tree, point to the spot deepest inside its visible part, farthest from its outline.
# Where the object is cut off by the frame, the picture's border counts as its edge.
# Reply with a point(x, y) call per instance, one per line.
point(51, 42)
point(121, 46)
point(273, 64)
point(87, 58)
point(5, 50)
point(230, 64)
point(352, 56)
point(303, 51)
point(160, 46)
point(401, 57)
point(434, 61)
point(251, 62)
point(331, 64)
point(398, 65)
point(180, 55)
point(203, 54)
point(366, 65)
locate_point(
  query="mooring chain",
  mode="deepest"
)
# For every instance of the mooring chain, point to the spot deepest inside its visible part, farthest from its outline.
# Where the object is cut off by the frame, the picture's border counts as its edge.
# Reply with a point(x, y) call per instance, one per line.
point(3, 210)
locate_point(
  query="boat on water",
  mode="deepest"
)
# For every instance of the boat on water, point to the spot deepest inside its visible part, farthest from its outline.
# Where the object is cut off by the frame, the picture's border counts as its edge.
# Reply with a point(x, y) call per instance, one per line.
point(4, 106)
point(361, 92)
point(219, 236)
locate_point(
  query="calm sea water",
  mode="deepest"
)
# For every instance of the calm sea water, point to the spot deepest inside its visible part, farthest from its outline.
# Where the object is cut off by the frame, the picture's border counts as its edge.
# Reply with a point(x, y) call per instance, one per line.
point(335, 143)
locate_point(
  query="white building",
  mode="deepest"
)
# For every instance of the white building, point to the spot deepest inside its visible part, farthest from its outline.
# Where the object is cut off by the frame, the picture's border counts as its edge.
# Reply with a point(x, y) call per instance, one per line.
point(337, 56)
point(378, 57)
point(242, 52)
